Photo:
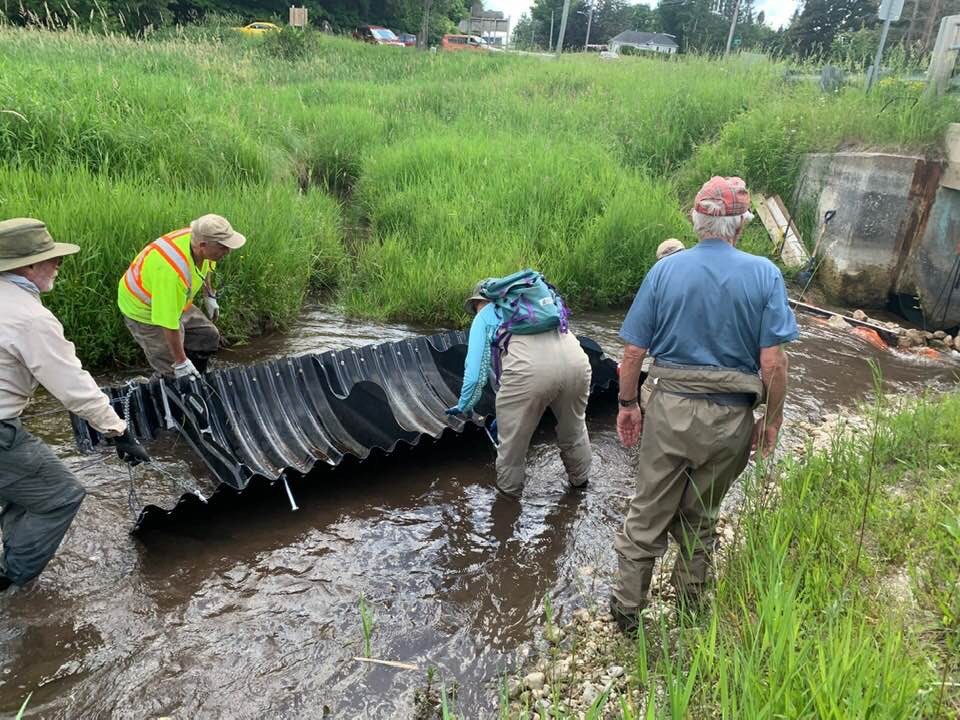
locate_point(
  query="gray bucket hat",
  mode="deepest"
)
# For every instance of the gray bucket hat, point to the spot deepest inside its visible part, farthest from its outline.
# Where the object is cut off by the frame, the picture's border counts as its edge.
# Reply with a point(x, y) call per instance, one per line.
point(468, 304)
point(25, 241)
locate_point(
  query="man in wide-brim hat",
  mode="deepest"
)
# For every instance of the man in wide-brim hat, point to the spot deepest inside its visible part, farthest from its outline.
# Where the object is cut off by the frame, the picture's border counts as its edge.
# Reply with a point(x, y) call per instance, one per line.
point(38, 494)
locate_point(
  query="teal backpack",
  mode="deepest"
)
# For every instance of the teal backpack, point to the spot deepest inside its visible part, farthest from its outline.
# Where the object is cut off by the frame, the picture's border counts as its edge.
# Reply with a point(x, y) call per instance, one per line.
point(528, 305)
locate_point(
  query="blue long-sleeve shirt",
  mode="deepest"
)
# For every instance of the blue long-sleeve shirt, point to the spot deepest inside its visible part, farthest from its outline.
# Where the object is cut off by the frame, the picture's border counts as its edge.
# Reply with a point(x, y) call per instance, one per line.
point(476, 368)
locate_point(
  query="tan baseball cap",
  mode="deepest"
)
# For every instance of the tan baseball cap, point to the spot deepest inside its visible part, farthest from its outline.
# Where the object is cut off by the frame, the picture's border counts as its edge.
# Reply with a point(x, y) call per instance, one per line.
point(216, 228)
point(25, 241)
point(669, 247)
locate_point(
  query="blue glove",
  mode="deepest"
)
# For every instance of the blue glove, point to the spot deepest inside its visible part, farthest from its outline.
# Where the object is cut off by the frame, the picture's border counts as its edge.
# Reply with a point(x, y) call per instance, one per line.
point(454, 411)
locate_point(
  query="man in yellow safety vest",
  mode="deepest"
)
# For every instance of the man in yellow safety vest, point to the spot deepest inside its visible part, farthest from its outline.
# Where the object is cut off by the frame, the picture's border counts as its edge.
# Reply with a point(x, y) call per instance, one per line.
point(157, 290)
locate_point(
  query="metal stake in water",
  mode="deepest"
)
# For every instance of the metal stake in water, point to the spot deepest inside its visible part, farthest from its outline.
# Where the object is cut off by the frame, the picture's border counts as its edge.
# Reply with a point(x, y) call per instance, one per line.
point(286, 486)
point(167, 415)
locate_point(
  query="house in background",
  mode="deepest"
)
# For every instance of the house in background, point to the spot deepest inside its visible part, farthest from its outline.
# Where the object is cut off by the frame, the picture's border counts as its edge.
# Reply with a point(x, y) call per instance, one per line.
point(644, 42)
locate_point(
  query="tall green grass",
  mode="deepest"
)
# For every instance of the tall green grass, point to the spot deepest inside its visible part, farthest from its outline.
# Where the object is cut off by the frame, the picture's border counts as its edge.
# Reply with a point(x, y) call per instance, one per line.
point(806, 622)
point(293, 247)
point(448, 167)
point(766, 144)
point(445, 214)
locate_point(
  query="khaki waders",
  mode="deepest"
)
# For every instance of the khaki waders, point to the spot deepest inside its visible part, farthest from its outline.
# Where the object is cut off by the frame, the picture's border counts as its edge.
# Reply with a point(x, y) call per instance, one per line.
point(691, 451)
point(547, 370)
point(201, 339)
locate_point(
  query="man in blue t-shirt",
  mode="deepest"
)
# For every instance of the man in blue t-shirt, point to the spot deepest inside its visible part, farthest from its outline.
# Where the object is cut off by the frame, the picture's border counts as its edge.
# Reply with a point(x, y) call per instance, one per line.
point(716, 320)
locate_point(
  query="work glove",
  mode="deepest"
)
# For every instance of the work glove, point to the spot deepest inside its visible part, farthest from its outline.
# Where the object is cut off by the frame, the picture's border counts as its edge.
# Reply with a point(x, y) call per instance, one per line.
point(129, 450)
point(212, 307)
point(185, 369)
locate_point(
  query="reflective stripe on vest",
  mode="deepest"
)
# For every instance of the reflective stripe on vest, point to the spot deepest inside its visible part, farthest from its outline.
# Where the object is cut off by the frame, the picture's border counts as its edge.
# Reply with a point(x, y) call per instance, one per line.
point(174, 257)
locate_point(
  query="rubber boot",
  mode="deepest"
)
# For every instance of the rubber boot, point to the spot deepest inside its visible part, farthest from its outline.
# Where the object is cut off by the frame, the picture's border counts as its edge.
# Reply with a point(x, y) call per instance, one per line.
point(689, 580)
point(629, 596)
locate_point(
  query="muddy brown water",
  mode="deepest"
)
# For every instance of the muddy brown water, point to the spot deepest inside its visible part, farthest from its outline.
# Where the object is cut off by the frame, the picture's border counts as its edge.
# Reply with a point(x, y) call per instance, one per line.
point(251, 610)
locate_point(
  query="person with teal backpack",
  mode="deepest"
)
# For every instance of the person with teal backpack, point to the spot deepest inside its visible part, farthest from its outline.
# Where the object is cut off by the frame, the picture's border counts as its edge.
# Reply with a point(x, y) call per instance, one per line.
point(520, 342)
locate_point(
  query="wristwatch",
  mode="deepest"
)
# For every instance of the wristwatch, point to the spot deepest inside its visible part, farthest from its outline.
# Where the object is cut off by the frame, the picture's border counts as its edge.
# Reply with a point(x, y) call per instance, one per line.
point(626, 403)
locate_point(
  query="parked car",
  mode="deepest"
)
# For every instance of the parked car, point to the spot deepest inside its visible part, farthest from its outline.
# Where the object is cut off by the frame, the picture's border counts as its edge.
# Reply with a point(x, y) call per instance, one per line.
point(376, 35)
point(407, 39)
point(458, 43)
point(259, 28)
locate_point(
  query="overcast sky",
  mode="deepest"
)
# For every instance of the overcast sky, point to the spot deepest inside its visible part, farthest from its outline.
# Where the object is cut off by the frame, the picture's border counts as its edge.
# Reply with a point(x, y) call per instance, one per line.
point(778, 11)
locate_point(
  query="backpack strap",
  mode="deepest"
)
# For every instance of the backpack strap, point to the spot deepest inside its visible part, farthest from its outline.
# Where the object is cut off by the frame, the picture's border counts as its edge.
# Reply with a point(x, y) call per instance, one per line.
point(498, 346)
point(564, 310)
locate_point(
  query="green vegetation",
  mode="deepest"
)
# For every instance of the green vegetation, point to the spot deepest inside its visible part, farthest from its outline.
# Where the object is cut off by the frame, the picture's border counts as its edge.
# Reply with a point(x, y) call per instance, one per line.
point(112, 219)
point(366, 626)
point(814, 617)
point(23, 708)
point(392, 180)
point(818, 617)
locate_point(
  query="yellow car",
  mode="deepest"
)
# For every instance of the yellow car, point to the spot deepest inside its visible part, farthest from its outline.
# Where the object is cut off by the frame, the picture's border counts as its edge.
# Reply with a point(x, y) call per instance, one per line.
point(259, 28)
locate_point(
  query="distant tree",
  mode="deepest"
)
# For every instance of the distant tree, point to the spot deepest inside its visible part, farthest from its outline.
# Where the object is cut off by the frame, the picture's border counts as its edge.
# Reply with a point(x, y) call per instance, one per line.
point(856, 47)
point(524, 33)
point(610, 18)
point(541, 13)
point(695, 24)
point(644, 18)
point(820, 21)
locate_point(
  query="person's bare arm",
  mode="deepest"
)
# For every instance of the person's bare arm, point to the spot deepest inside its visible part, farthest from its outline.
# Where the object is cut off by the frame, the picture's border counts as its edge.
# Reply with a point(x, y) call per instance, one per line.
point(773, 372)
point(175, 343)
point(630, 419)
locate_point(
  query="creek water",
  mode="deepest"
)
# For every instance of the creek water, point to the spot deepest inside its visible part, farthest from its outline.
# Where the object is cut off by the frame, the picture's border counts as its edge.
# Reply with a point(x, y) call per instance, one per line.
point(252, 610)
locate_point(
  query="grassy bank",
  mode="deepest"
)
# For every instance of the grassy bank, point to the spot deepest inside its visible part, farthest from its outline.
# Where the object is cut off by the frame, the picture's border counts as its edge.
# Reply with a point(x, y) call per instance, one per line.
point(113, 218)
point(838, 596)
point(842, 599)
point(446, 168)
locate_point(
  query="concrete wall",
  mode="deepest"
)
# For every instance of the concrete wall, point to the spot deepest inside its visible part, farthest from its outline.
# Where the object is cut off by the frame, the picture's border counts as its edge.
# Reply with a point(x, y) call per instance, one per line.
point(935, 262)
point(895, 228)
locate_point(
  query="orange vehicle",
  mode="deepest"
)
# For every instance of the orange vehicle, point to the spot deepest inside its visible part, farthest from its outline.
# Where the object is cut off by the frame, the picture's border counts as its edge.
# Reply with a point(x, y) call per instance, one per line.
point(457, 43)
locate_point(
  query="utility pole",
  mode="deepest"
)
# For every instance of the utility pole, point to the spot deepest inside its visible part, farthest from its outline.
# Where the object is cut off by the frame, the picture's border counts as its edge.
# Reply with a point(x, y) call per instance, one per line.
point(913, 23)
point(425, 25)
point(733, 26)
point(563, 26)
point(931, 22)
point(550, 44)
point(586, 45)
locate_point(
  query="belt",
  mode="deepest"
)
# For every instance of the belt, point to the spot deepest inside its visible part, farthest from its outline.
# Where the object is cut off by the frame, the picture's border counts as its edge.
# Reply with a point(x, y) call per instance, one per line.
point(731, 399)
point(699, 368)
point(727, 399)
